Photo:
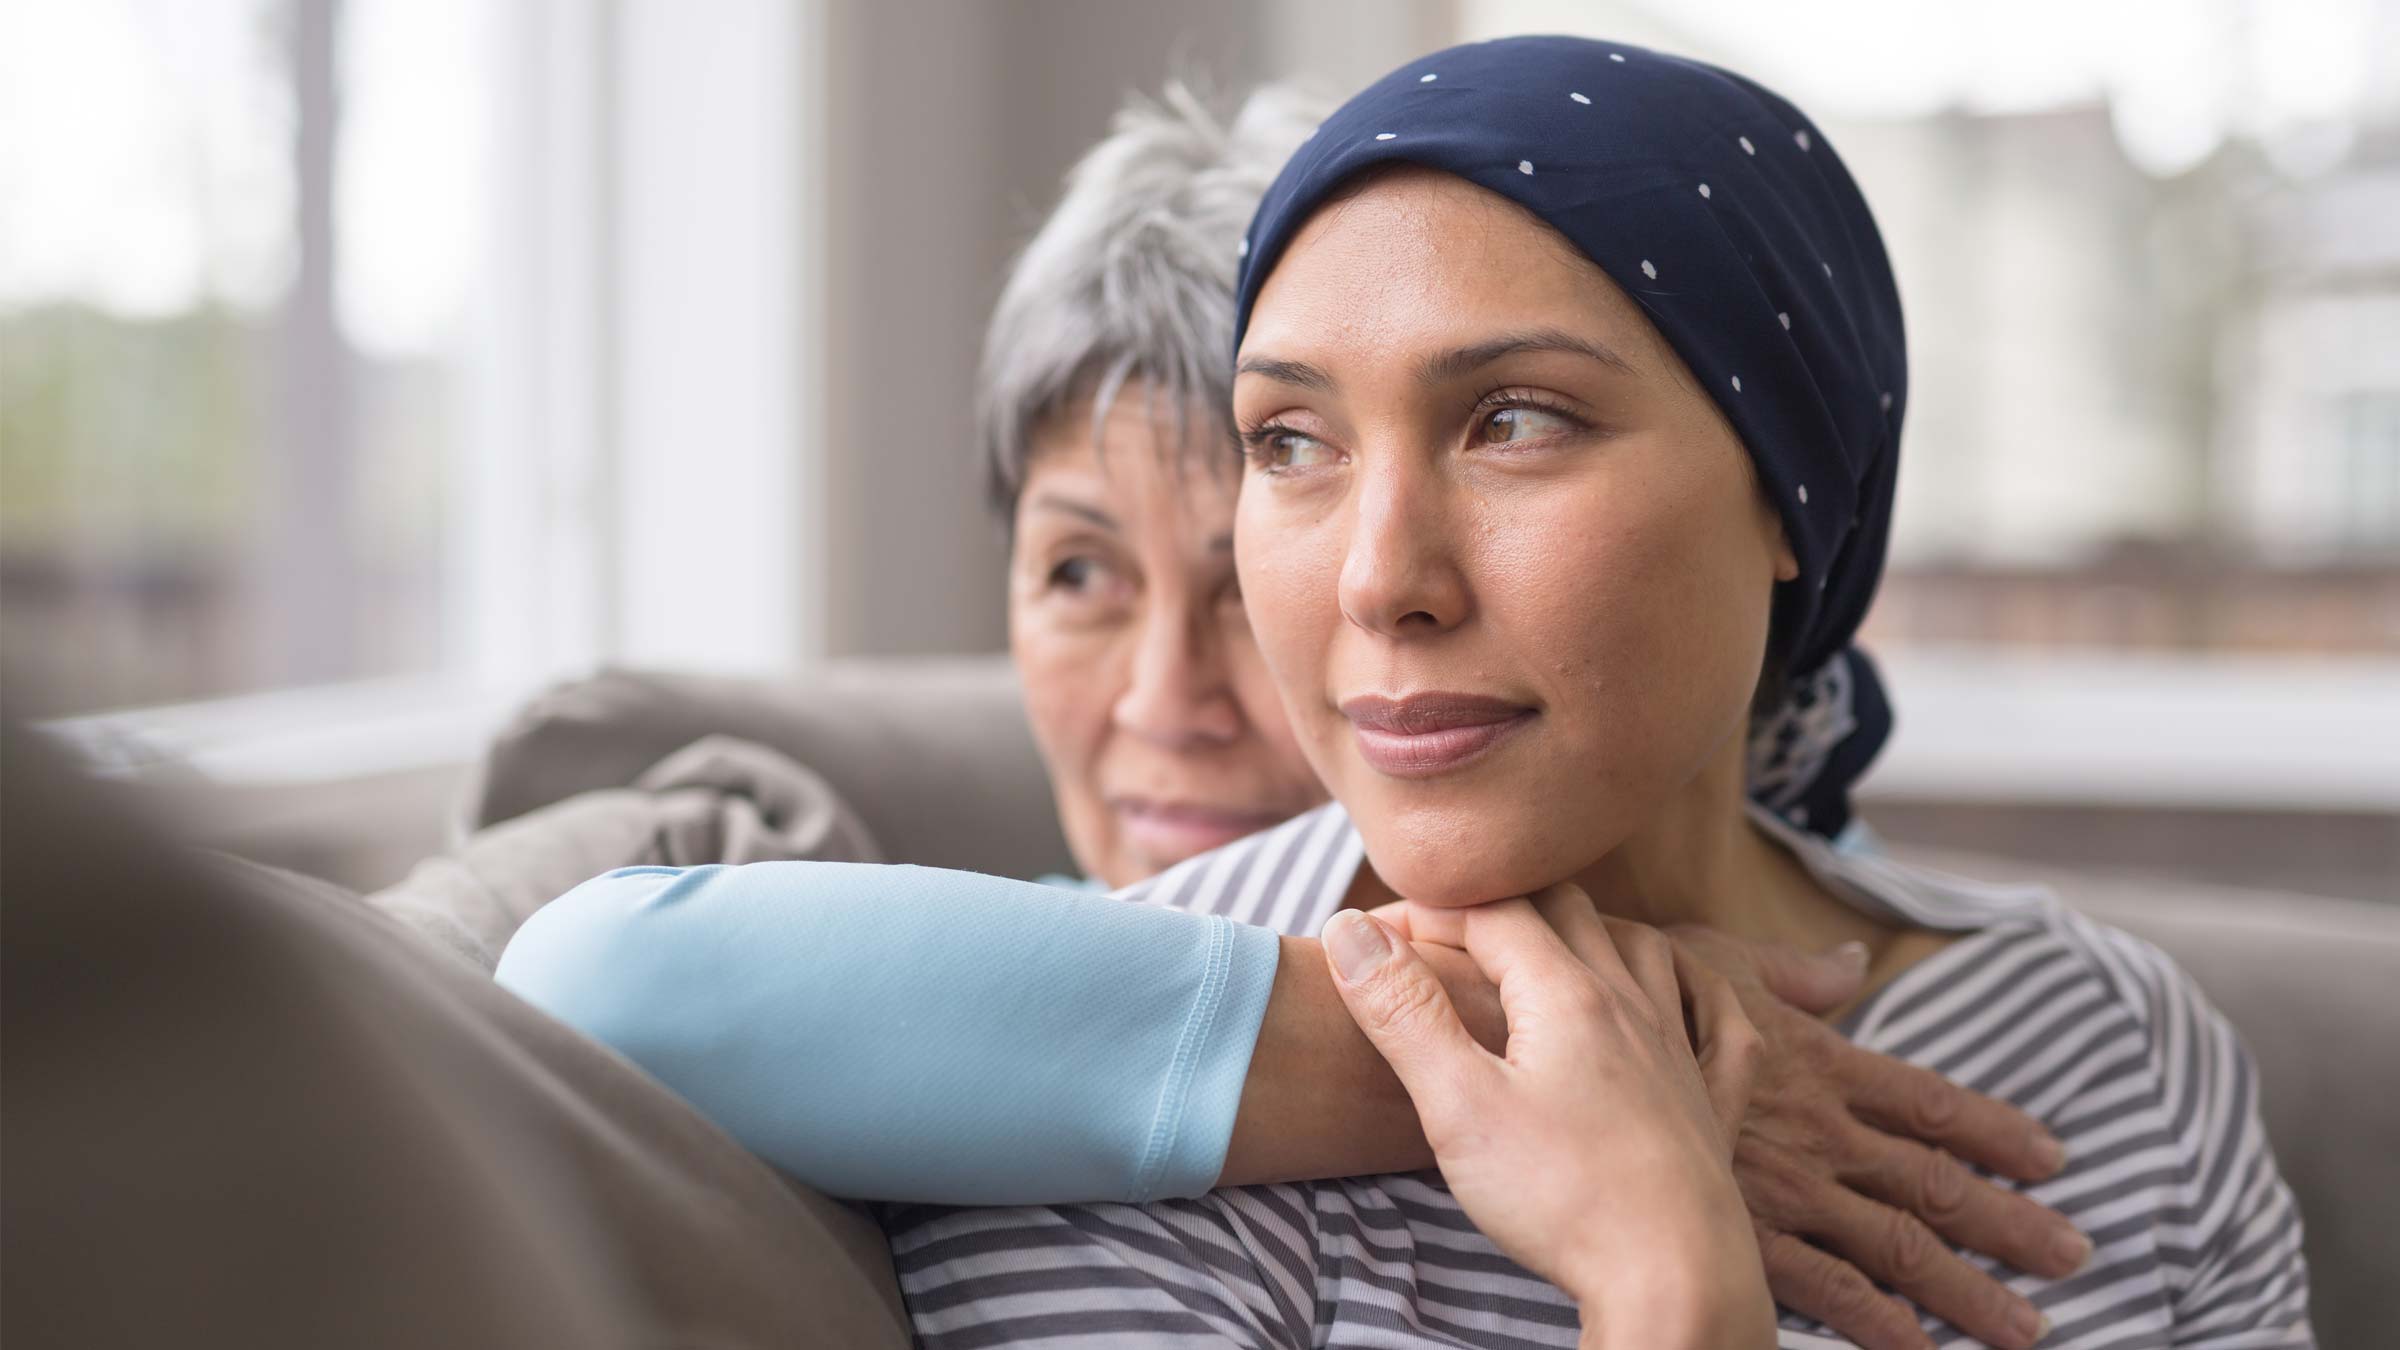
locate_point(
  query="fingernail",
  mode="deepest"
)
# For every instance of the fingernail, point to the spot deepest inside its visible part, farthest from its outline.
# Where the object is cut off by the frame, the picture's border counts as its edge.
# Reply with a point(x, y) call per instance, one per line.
point(2051, 1154)
point(1357, 944)
point(2072, 1249)
point(2030, 1324)
point(1851, 954)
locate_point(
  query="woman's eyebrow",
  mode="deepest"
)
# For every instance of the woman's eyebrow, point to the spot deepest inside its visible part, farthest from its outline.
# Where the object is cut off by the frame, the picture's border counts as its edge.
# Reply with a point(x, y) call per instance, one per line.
point(1449, 365)
point(1459, 361)
point(1092, 515)
point(1300, 373)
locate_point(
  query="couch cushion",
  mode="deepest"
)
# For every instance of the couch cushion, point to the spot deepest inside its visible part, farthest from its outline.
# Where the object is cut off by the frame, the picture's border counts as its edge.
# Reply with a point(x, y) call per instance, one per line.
point(934, 756)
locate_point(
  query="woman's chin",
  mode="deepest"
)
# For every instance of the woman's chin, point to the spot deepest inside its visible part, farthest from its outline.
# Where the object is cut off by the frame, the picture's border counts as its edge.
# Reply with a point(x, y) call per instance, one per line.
point(1453, 878)
point(1451, 858)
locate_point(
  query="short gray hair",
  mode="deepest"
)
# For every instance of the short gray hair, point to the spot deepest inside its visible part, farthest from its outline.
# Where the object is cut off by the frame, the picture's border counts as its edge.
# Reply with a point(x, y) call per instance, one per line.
point(1131, 277)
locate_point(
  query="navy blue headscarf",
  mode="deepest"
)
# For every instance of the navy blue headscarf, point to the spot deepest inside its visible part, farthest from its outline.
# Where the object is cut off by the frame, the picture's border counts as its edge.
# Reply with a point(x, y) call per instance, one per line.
point(1722, 211)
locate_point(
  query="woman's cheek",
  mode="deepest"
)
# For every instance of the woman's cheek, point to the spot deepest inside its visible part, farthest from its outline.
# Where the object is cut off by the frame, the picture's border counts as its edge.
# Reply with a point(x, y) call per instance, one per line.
point(1287, 634)
point(1067, 703)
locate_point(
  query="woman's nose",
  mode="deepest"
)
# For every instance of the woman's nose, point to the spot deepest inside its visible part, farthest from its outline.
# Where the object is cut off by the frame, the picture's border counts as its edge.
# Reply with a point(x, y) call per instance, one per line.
point(1177, 694)
point(1401, 577)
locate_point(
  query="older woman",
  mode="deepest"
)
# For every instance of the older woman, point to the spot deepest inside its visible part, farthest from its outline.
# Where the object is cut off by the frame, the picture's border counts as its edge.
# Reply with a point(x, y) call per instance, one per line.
point(1513, 544)
point(1102, 416)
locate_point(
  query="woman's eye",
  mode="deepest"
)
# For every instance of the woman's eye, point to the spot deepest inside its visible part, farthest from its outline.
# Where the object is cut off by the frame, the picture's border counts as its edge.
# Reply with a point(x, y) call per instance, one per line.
point(1278, 448)
point(1077, 575)
point(1508, 426)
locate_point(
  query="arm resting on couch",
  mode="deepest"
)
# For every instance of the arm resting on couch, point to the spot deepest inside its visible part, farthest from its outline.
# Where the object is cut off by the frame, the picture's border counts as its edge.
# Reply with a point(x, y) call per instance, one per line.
point(905, 1033)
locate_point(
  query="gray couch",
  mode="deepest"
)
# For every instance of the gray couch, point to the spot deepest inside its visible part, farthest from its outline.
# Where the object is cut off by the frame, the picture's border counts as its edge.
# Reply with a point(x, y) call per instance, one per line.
point(936, 762)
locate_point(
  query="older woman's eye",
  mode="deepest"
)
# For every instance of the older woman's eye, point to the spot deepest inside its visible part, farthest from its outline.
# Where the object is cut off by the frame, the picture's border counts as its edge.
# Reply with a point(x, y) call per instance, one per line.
point(1078, 575)
point(1507, 426)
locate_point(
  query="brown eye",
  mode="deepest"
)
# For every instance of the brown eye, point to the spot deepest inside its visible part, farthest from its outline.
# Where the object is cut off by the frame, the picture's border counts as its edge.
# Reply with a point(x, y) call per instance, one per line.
point(1514, 425)
point(1277, 449)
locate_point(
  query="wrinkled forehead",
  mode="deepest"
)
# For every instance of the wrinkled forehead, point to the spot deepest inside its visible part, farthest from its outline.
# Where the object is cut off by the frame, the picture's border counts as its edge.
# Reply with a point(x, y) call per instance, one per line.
point(1135, 441)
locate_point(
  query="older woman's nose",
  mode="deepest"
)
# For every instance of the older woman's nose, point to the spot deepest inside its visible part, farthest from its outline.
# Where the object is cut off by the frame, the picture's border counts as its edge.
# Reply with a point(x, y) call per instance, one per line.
point(1178, 693)
point(1400, 576)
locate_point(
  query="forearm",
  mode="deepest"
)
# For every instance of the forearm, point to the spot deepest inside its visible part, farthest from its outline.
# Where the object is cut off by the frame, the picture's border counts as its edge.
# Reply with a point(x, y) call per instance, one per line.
point(1318, 1100)
point(908, 1034)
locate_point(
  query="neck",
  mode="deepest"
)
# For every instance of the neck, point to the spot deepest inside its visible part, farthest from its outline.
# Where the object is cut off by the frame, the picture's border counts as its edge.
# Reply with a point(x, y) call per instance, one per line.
point(1700, 859)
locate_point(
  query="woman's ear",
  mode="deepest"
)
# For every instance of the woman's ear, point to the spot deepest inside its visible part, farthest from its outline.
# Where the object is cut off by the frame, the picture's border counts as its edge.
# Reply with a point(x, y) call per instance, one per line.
point(1787, 565)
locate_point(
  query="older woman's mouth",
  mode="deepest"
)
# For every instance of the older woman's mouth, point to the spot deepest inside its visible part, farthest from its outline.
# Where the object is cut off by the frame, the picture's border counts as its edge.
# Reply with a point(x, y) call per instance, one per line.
point(1425, 735)
point(1174, 831)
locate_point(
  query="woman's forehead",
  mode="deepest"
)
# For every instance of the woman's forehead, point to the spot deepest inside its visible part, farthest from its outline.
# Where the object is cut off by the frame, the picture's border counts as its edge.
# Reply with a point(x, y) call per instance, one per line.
point(1416, 256)
point(1139, 448)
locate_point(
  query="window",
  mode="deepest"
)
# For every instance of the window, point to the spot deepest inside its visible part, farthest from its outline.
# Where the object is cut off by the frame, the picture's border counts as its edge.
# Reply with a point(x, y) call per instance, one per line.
point(239, 247)
point(444, 345)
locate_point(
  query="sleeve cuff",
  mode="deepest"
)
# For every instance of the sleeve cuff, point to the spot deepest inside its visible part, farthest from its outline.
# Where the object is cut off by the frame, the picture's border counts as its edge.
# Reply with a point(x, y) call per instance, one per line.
point(1202, 1093)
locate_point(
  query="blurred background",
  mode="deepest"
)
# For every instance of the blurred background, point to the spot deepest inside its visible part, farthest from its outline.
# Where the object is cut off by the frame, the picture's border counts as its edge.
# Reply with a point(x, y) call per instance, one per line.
point(367, 364)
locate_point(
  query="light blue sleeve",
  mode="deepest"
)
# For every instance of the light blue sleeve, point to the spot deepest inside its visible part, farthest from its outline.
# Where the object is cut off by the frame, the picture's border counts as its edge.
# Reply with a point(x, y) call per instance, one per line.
point(905, 1033)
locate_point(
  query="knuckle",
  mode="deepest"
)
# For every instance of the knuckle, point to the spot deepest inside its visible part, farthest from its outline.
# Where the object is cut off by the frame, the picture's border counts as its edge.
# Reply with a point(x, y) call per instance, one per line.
point(1941, 1186)
point(1932, 1106)
point(1646, 945)
point(1775, 1190)
point(1742, 1042)
point(1408, 1006)
point(1909, 1247)
point(1734, 1021)
point(1819, 1052)
point(1590, 1000)
point(1844, 1293)
point(1737, 1048)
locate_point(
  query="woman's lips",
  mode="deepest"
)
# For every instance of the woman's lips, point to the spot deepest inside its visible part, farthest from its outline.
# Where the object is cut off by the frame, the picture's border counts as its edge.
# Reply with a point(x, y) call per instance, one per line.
point(1426, 735)
point(1174, 831)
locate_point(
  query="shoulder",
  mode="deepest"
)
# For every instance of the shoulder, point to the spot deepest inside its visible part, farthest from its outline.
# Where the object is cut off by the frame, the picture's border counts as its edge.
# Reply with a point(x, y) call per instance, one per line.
point(2027, 961)
point(2102, 1036)
point(1289, 878)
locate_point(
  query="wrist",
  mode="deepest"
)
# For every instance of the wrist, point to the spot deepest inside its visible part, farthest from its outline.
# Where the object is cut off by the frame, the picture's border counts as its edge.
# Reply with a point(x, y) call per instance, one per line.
point(1705, 1293)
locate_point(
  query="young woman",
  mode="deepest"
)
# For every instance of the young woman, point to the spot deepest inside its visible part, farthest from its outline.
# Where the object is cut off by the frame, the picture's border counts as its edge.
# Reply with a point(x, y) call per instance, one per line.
point(1103, 410)
point(1570, 376)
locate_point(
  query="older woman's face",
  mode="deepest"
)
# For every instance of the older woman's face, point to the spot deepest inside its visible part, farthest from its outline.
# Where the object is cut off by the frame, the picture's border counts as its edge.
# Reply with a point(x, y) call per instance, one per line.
point(1506, 562)
point(1157, 720)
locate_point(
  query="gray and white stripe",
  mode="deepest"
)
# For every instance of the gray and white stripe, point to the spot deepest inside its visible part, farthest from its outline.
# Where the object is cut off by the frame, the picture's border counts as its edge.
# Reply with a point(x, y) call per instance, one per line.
point(2093, 1031)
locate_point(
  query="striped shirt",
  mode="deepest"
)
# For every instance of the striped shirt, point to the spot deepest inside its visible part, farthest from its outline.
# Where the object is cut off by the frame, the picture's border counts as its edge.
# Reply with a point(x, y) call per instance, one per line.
point(2092, 1031)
